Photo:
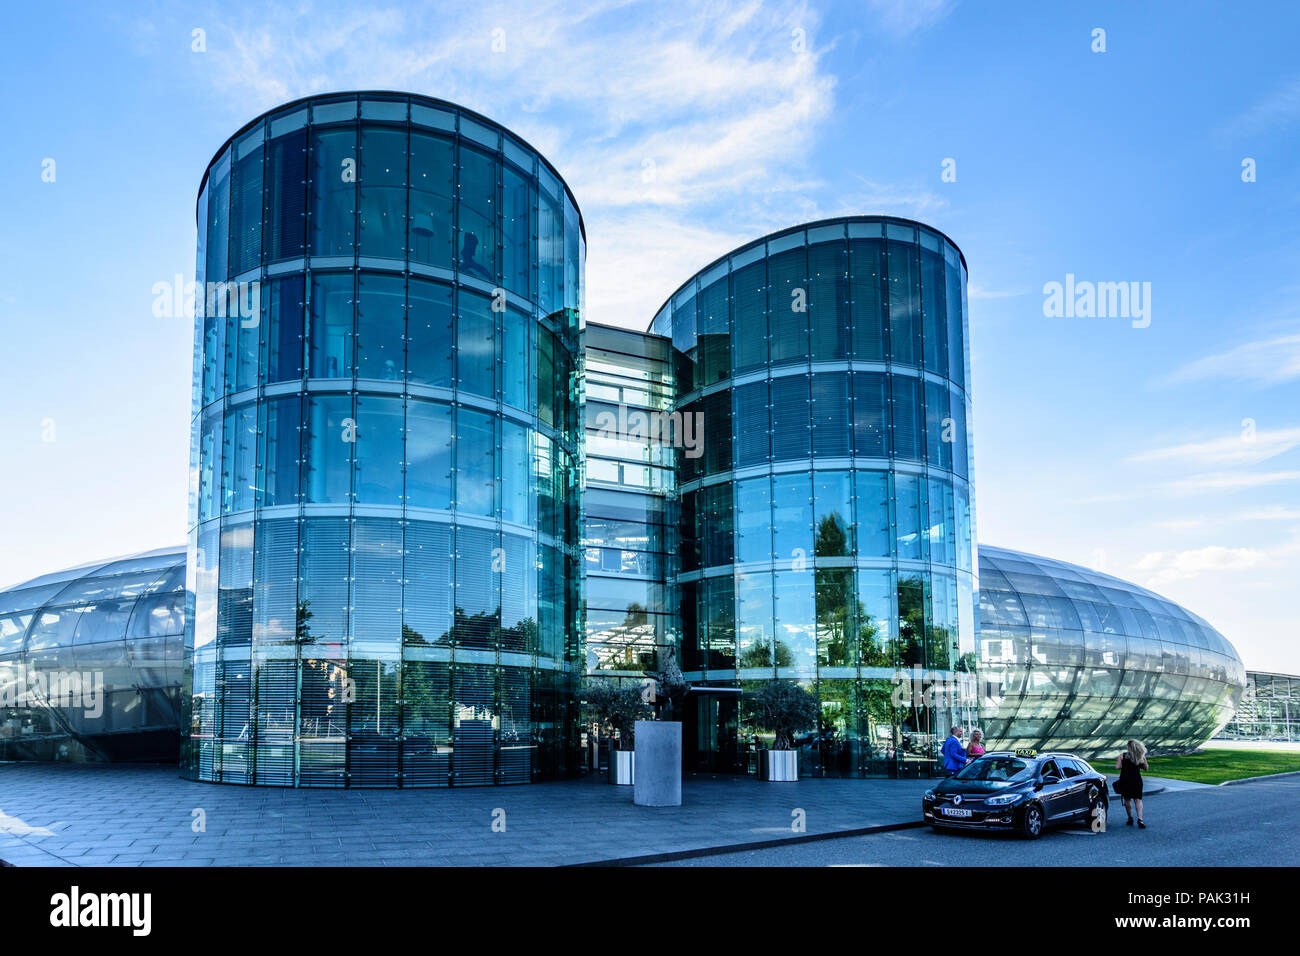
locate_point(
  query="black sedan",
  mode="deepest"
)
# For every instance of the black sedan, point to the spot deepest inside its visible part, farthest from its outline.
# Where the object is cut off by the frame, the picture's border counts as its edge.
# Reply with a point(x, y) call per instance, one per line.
point(1021, 791)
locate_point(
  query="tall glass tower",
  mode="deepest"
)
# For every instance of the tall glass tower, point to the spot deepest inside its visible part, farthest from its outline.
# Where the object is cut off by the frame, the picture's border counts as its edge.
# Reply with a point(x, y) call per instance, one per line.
point(826, 522)
point(385, 497)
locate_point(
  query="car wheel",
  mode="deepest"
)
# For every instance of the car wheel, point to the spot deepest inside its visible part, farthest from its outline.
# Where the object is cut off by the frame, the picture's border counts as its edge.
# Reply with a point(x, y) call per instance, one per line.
point(1031, 822)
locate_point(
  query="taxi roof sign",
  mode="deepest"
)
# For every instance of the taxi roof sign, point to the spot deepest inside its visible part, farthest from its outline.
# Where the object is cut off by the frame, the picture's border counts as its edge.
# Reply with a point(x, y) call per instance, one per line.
point(1026, 752)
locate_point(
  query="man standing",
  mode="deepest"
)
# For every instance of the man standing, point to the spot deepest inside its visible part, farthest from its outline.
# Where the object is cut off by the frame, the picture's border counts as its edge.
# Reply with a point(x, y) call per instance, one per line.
point(954, 755)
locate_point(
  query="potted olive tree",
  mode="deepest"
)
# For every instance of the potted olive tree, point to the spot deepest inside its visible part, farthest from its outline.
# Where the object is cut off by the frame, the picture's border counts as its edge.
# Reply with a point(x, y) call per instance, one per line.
point(784, 708)
point(616, 708)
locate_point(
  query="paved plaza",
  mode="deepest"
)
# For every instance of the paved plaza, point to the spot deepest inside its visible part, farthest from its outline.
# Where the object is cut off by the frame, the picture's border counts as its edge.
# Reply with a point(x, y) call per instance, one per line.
point(132, 815)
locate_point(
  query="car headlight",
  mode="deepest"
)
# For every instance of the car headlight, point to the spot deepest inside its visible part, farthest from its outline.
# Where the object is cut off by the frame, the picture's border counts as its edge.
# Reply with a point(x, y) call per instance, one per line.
point(1003, 799)
point(928, 796)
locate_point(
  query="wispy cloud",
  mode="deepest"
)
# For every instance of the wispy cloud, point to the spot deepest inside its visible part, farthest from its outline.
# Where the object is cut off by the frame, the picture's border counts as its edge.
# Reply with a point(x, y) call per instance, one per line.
point(1164, 567)
point(1277, 110)
point(1248, 448)
point(904, 17)
point(976, 291)
point(1264, 362)
point(643, 107)
point(1233, 480)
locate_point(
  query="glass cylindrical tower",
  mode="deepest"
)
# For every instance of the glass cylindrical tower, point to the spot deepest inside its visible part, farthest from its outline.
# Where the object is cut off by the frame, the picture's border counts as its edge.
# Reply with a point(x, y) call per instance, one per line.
point(383, 565)
point(826, 518)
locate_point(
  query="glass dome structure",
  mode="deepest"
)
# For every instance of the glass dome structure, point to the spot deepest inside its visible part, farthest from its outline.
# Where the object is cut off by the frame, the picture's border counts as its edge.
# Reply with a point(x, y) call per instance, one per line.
point(1074, 659)
point(91, 661)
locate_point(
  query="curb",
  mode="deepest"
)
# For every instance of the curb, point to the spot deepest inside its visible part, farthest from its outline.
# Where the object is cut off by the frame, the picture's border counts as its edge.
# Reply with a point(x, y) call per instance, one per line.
point(672, 855)
point(1267, 776)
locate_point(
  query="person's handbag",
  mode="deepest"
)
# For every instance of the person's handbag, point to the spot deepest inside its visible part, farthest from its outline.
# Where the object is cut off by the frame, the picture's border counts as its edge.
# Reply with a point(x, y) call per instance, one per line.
point(1116, 786)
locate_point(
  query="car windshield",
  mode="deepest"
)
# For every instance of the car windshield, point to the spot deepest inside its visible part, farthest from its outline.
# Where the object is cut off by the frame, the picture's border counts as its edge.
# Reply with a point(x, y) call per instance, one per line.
point(997, 768)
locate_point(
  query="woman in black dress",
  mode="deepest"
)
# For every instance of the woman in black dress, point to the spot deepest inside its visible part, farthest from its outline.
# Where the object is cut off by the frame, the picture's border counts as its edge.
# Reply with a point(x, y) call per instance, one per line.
point(1130, 765)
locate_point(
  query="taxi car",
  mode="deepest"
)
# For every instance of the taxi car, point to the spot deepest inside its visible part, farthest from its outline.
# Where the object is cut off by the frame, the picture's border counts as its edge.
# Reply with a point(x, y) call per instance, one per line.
point(1017, 790)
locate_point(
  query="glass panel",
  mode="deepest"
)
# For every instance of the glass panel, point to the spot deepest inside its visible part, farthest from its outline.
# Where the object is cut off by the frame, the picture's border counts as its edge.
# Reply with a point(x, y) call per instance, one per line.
point(246, 212)
point(714, 335)
point(934, 311)
point(515, 460)
point(792, 517)
point(281, 451)
point(429, 236)
point(379, 450)
point(866, 277)
point(909, 492)
point(907, 418)
point(428, 455)
point(478, 215)
point(331, 325)
point(828, 300)
point(836, 618)
point(519, 229)
point(239, 459)
point(904, 304)
point(381, 320)
point(381, 224)
point(750, 285)
point(475, 456)
point(871, 514)
point(285, 196)
point(830, 414)
point(333, 191)
point(515, 358)
point(753, 436)
point(476, 344)
point(429, 324)
point(282, 304)
point(796, 641)
point(754, 619)
point(323, 592)
point(331, 437)
point(754, 519)
point(791, 422)
point(875, 617)
point(787, 306)
point(832, 502)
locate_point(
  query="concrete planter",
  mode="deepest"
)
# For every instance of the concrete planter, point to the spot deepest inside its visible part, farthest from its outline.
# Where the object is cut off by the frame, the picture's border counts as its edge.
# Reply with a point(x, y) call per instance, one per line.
point(659, 763)
point(622, 767)
point(778, 766)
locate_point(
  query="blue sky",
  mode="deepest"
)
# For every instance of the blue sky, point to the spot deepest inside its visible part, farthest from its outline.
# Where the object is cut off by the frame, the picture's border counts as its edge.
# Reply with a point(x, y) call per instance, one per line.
point(1169, 454)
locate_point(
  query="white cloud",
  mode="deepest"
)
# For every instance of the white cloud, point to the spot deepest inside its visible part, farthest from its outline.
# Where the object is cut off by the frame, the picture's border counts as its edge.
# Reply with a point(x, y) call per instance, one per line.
point(1231, 450)
point(1165, 567)
point(664, 120)
point(1275, 513)
point(904, 17)
point(1232, 480)
point(975, 291)
point(1278, 109)
point(1264, 362)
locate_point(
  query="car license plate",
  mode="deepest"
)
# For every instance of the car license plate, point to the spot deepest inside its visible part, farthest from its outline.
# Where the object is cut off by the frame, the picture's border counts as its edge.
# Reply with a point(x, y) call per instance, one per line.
point(954, 812)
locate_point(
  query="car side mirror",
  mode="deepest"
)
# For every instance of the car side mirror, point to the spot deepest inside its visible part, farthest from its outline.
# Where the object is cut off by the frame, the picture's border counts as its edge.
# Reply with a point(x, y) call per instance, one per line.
point(1049, 780)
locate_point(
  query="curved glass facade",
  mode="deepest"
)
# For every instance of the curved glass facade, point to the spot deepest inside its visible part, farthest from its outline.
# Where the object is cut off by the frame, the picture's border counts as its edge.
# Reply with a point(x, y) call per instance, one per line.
point(385, 490)
point(826, 518)
point(91, 661)
point(1073, 659)
point(1269, 709)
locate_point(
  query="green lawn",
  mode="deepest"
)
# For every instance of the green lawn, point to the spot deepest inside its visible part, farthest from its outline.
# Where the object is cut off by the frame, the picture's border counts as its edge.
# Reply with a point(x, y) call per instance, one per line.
point(1216, 766)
